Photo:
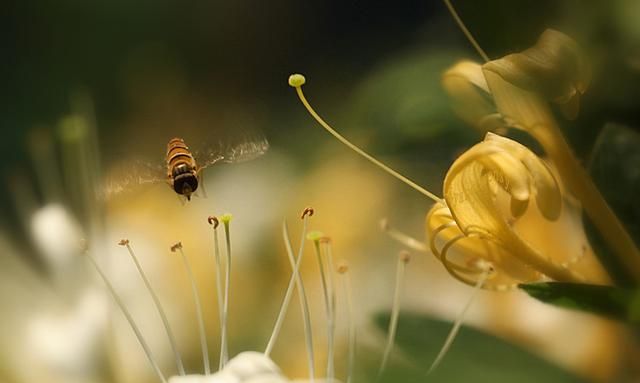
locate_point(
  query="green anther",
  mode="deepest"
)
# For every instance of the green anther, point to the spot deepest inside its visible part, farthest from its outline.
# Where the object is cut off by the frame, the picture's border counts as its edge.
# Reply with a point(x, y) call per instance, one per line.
point(315, 235)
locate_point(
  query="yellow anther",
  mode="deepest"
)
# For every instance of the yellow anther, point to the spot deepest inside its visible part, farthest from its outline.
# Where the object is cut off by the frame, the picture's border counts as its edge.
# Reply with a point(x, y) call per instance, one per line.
point(297, 80)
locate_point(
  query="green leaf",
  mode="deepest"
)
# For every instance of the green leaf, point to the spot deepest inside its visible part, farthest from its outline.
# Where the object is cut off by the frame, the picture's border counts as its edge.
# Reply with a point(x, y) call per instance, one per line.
point(615, 168)
point(612, 302)
point(475, 356)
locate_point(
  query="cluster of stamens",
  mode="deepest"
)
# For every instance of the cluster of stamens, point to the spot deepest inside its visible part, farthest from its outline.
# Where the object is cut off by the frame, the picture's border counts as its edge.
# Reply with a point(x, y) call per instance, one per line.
point(322, 245)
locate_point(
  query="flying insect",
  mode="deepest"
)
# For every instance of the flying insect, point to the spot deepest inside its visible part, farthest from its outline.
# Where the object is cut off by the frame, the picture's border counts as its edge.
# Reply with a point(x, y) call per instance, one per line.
point(183, 168)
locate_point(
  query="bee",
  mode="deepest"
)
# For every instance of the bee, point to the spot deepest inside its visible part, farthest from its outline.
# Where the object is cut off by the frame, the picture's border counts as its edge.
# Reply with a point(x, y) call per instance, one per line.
point(183, 168)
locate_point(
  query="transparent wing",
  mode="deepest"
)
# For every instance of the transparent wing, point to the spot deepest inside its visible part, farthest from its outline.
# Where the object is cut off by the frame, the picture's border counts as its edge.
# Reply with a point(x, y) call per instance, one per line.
point(131, 176)
point(245, 149)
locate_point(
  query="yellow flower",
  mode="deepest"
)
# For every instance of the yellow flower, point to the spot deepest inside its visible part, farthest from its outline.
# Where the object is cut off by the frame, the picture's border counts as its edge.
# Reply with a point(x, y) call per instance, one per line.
point(470, 96)
point(486, 190)
point(515, 92)
point(553, 68)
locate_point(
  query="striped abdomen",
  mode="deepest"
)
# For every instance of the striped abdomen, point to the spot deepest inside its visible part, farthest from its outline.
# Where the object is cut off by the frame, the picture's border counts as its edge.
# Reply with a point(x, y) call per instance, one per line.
point(181, 167)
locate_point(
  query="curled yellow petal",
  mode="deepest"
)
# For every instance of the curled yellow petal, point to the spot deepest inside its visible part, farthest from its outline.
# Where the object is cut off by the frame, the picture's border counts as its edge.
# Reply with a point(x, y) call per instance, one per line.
point(522, 85)
point(486, 190)
point(465, 256)
point(506, 171)
point(544, 183)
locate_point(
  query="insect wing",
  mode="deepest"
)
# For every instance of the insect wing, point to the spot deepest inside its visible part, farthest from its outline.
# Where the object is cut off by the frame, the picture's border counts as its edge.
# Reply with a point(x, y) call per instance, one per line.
point(131, 176)
point(246, 149)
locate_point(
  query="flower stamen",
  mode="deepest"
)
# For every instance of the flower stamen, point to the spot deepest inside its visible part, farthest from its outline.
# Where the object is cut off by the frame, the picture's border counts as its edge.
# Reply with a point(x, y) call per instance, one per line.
point(127, 314)
point(304, 305)
point(402, 238)
point(196, 297)
point(224, 353)
point(458, 322)
point(296, 81)
point(156, 301)
point(466, 31)
point(214, 222)
point(329, 296)
point(308, 211)
point(403, 259)
point(343, 271)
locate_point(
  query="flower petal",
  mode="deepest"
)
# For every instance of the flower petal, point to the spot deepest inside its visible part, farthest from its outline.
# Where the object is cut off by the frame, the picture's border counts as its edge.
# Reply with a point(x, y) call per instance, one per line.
point(466, 85)
point(479, 210)
point(553, 68)
point(246, 367)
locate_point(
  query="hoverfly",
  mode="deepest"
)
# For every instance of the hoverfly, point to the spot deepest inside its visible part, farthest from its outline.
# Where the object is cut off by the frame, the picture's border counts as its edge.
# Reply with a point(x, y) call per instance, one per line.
point(182, 169)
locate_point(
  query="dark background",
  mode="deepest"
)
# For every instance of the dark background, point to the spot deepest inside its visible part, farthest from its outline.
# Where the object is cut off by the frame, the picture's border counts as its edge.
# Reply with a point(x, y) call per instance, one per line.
point(243, 52)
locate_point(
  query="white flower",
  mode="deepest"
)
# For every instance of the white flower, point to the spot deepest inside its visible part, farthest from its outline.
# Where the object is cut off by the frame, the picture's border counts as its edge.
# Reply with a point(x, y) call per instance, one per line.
point(246, 367)
point(69, 340)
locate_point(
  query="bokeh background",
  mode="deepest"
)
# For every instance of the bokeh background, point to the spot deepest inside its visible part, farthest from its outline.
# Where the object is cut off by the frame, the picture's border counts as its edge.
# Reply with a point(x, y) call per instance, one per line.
point(135, 74)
